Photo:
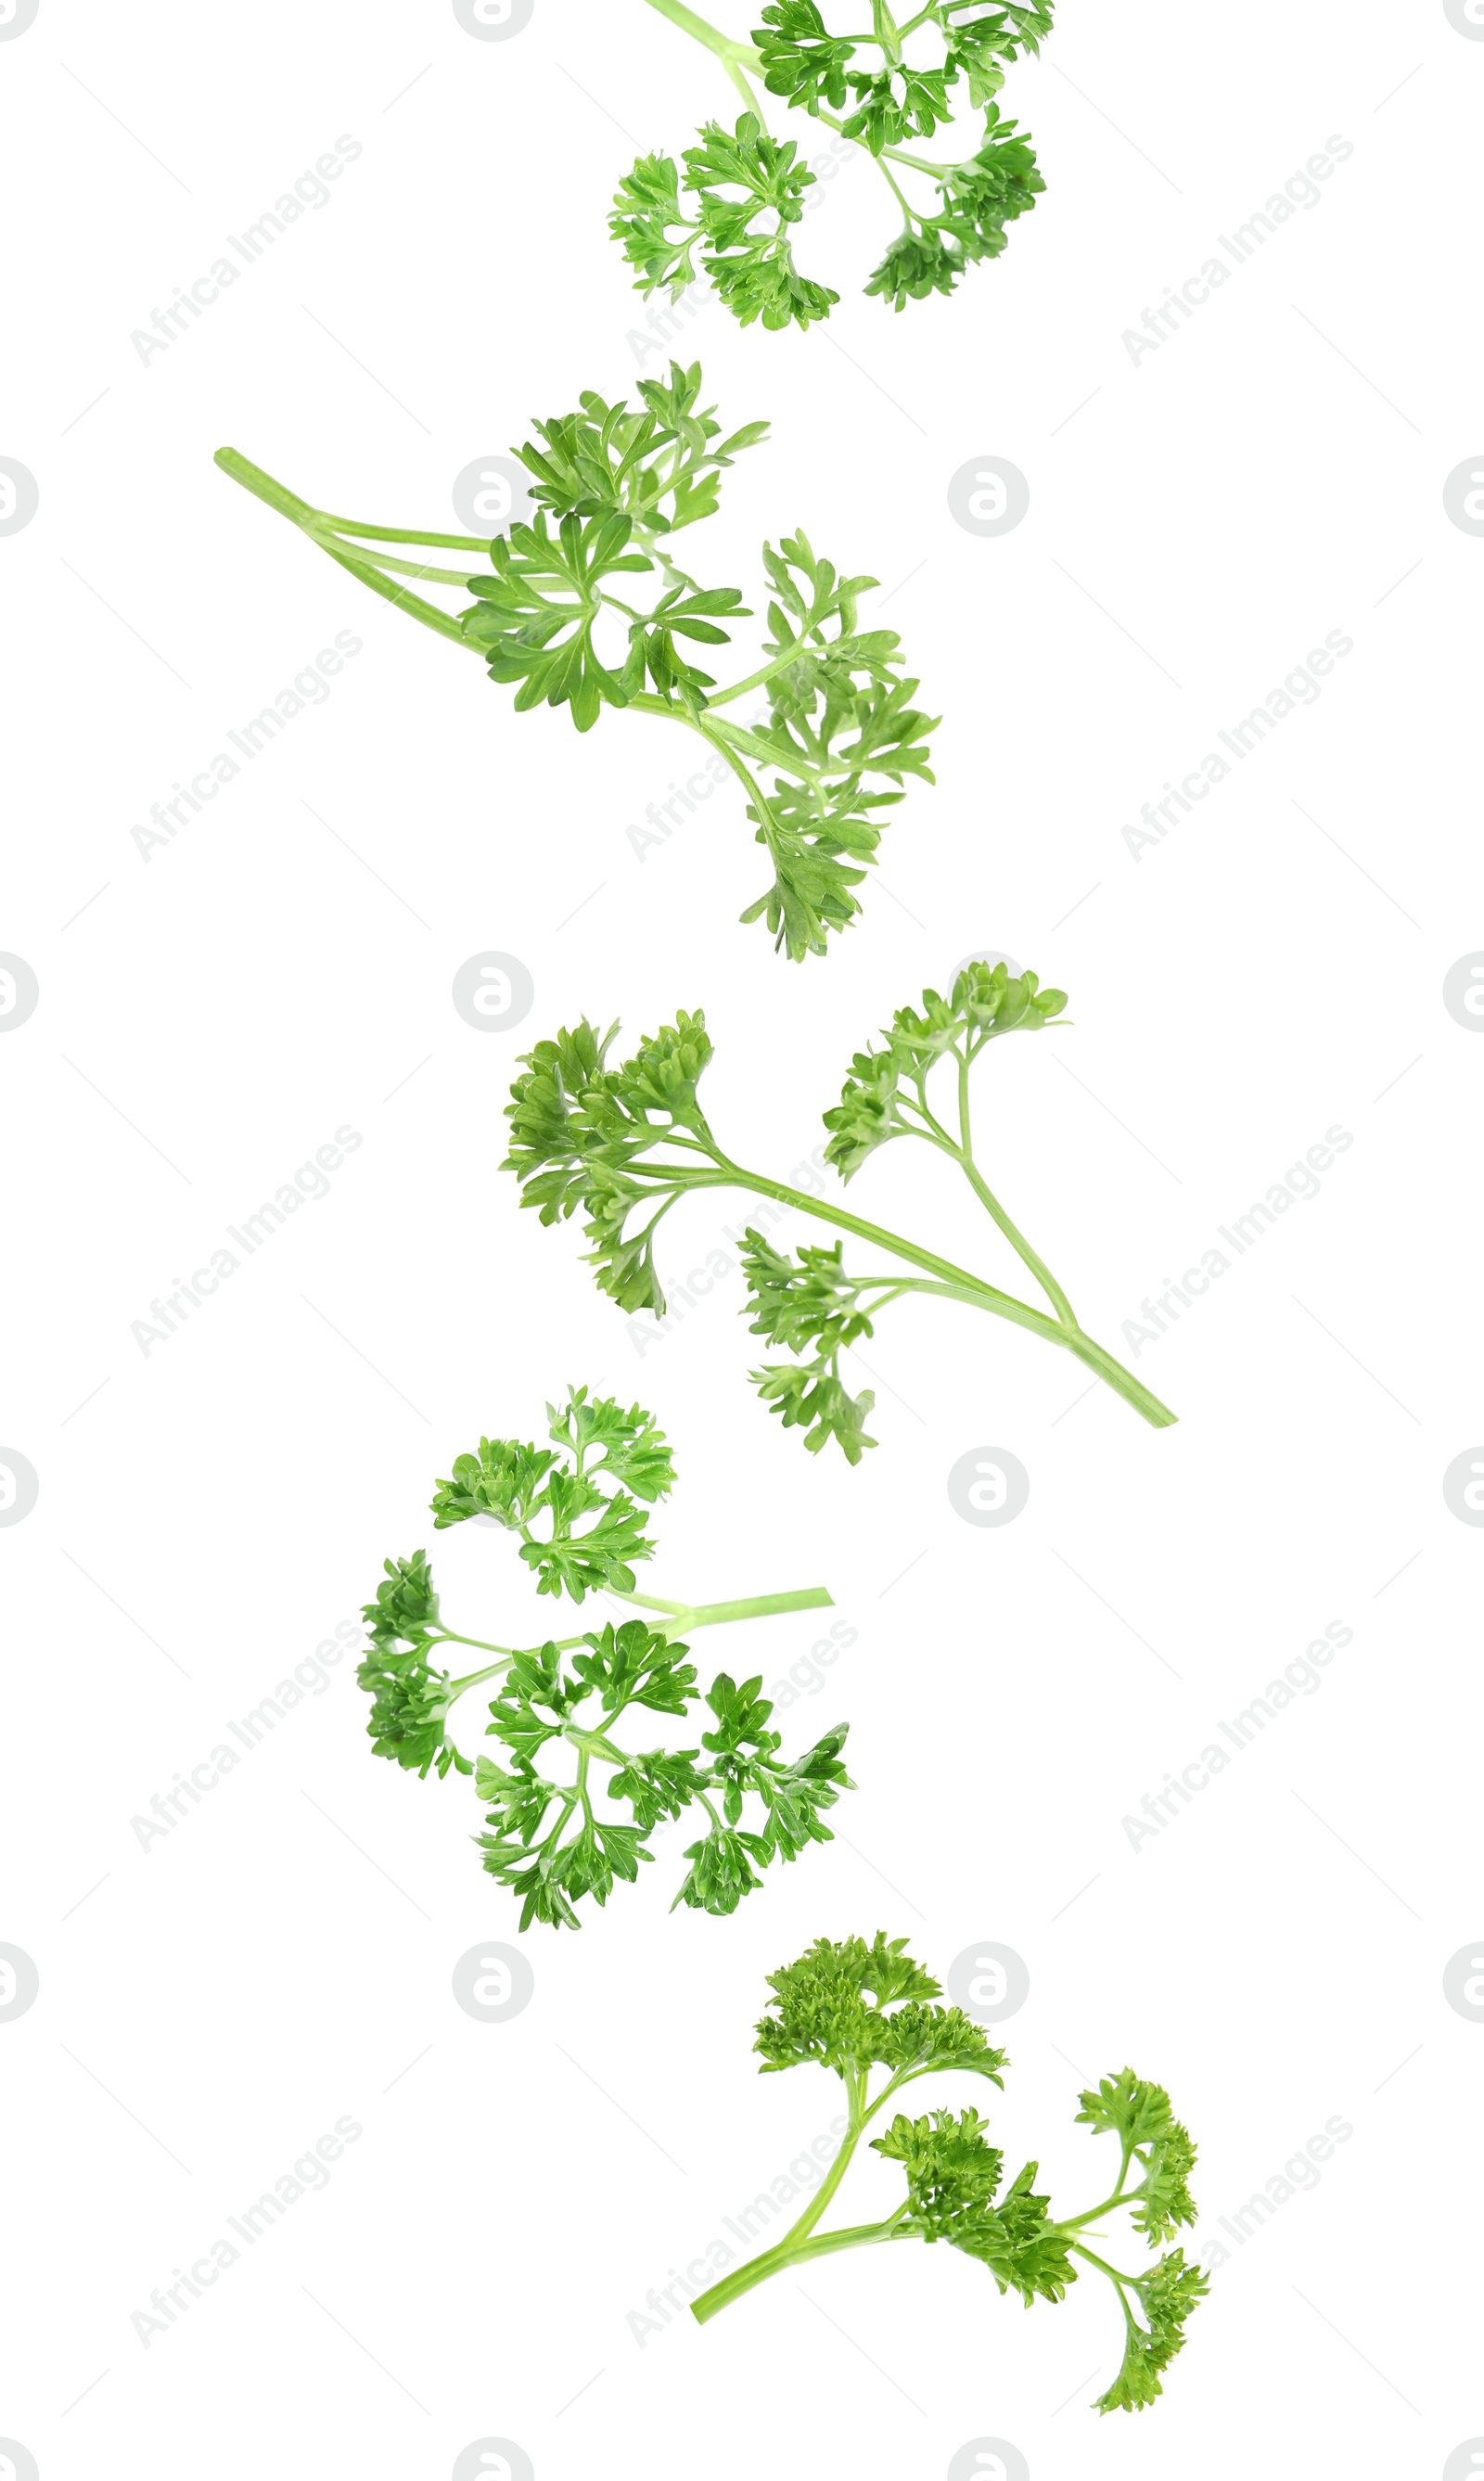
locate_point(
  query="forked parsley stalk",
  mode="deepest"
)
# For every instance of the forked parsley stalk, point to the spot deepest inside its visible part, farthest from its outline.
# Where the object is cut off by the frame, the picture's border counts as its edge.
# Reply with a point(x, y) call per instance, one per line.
point(747, 188)
point(625, 1144)
point(855, 2008)
point(546, 1840)
point(613, 485)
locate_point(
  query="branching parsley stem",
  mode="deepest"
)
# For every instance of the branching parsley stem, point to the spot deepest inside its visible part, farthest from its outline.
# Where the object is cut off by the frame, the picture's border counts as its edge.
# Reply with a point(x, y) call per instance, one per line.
point(982, 1190)
point(957, 1284)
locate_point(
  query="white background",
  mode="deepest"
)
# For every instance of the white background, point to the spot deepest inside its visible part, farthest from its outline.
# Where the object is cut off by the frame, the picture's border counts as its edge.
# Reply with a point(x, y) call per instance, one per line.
point(210, 1511)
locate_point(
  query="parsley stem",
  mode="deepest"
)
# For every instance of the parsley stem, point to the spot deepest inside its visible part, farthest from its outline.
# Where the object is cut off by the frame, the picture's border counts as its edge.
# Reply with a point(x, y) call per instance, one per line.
point(1076, 2222)
point(987, 1198)
point(289, 505)
point(383, 559)
point(766, 814)
point(755, 1606)
point(701, 32)
point(885, 31)
point(789, 2252)
point(956, 1284)
point(1125, 2282)
point(403, 535)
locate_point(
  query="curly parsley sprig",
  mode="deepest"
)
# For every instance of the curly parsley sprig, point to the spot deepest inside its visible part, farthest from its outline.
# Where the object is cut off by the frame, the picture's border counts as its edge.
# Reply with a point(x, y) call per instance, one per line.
point(623, 1145)
point(854, 2009)
point(746, 190)
point(555, 615)
point(575, 1506)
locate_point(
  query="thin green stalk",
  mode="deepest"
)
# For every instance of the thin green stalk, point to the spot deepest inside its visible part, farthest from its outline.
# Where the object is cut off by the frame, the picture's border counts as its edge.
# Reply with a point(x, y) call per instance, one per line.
point(797, 2243)
point(1094, 2213)
point(759, 1607)
point(755, 1606)
point(885, 31)
point(828, 2244)
point(749, 782)
point(737, 76)
point(959, 1285)
point(986, 1196)
point(701, 32)
point(288, 504)
point(385, 561)
point(1125, 2282)
point(402, 534)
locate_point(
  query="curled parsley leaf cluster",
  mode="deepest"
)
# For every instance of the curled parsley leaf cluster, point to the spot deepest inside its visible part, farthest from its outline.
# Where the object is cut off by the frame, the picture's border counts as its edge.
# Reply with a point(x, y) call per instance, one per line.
point(857, 2010)
point(624, 1144)
point(581, 1507)
point(835, 734)
point(729, 209)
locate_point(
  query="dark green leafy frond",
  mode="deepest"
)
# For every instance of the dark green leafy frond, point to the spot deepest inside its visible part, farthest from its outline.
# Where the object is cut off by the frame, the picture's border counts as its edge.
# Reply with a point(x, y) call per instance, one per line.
point(1023, 2249)
point(658, 1783)
point(651, 225)
point(752, 269)
point(723, 1869)
point(812, 1396)
point(632, 1666)
point(827, 2005)
point(983, 196)
point(534, 618)
point(504, 1481)
point(519, 1486)
point(1140, 2115)
point(986, 1002)
point(578, 1126)
point(840, 714)
point(1168, 2296)
point(917, 261)
point(794, 1795)
point(634, 1449)
point(979, 37)
point(405, 1608)
point(410, 1712)
point(897, 102)
point(921, 2039)
point(547, 1699)
point(801, 60)
point(600, 1559)
point(951, 2172)
point(659, 463)
point(410, 1697)
point(801, 1299)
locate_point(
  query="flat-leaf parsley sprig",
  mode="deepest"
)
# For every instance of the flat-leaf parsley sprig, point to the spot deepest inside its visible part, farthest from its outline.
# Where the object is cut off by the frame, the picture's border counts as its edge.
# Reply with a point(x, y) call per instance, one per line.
point(624, 1144)
point(856, 2009)
point(745, 189)
point(555, 614)
point(576, 1508)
